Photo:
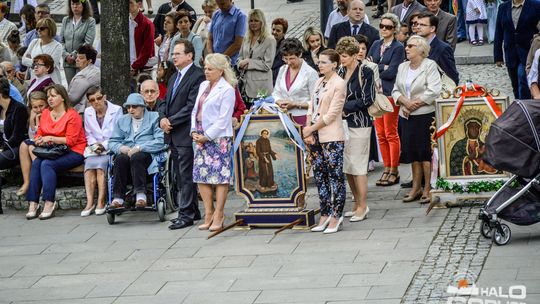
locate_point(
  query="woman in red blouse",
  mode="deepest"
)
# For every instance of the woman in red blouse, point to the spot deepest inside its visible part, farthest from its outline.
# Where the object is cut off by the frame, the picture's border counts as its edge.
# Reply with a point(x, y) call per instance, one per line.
point(59, 124)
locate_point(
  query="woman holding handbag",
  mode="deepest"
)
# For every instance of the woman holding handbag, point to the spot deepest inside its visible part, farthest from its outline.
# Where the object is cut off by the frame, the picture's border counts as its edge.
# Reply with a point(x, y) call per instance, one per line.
point(360, 95)
point(99, 120)
point(59, 125)
point(257, 56)
point(388, 53)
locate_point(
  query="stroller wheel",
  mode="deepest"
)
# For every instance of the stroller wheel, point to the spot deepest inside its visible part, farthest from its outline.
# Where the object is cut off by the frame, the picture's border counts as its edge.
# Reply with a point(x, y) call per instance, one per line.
point(110, 218)
point(501, 235)
point(485, 230)
point(161, 209)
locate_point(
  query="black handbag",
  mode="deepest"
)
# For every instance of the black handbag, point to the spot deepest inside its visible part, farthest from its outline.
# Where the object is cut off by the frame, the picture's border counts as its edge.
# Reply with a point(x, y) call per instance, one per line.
point(51, 151)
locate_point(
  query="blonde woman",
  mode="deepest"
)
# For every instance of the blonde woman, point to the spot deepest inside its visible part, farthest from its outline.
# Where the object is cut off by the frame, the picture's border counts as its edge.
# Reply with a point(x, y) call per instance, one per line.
point(211, 130)
point(314, 44)
point(257, 55)
point(418, 84)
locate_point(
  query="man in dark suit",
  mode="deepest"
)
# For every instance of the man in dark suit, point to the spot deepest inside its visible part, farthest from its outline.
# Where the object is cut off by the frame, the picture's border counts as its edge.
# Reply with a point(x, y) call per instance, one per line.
point(175, 120)
point(355, 26)
point(441, 52)
point(404, 10)
point(515, 27)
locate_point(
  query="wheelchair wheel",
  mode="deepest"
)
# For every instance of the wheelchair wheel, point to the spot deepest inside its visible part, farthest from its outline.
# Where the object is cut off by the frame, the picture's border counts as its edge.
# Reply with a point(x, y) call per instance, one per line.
point(161, 206)
point(485, 230)
point(171, 185)
point(110, 218)
point(501, 235)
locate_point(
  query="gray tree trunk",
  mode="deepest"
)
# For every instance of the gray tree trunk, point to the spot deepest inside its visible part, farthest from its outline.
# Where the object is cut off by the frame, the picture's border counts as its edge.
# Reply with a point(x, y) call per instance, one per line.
point(115, 65)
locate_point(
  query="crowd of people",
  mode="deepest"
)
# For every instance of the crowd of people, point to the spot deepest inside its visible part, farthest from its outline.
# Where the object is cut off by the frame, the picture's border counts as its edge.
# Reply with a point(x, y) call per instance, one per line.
point(196, 76)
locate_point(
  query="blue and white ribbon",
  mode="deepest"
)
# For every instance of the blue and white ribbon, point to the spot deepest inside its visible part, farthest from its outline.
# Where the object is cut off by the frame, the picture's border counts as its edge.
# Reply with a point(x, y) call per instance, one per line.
point(270, 106)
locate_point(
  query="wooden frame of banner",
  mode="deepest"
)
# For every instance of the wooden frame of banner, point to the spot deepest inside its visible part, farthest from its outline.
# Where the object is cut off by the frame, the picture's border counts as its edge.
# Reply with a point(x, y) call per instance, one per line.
point(450, 154)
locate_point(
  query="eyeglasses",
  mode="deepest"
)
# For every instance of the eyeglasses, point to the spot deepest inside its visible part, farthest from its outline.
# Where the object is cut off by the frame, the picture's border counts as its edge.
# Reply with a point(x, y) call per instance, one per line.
point(386, 27)
point(97, 98)
point(131, 107)
point(409, 45)
point(36, 65)
point(42, 28)
point(149, 91)
point(414, 23)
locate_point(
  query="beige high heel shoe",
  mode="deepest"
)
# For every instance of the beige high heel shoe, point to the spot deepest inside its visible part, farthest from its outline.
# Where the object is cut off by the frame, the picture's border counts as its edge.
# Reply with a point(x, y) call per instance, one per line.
point(207, 223)
point(48, 215)
point(33, 214)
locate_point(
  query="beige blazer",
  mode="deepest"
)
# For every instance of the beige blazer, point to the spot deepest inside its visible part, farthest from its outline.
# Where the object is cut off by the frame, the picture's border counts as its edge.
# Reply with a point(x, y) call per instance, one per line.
point(426, 85)
point(258, 74)
point(331, 100)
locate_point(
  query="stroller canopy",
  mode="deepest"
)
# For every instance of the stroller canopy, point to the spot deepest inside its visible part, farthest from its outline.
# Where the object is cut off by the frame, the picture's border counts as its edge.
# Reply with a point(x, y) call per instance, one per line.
point(513, 142)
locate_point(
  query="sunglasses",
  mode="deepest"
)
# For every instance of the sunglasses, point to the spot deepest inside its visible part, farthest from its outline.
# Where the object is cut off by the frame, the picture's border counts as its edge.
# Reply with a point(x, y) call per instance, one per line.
point(35, 65)
point(386, 27)
point(42, 28)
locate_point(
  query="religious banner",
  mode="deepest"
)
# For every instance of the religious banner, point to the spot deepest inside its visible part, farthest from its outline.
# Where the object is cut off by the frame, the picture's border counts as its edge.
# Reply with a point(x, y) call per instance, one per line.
point(270, 169)
point(463, 126)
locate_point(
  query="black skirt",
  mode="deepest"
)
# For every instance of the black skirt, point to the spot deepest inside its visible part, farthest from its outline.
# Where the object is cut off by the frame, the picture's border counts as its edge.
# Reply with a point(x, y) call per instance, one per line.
point(416, 138)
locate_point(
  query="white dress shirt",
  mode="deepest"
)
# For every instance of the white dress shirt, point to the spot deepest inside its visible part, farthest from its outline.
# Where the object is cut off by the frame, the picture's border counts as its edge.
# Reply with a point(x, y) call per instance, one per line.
point(336, 17)
point(533, 73)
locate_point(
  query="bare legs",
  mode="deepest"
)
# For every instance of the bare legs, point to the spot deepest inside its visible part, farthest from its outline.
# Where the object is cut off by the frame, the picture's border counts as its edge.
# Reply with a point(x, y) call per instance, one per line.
point(358, 184)
point(420, 170)
point(206, 194)
point(26, 157)
point(426, 167)
point(90, 187)
point(93, 178)
point(102, 188)
point(213, 216)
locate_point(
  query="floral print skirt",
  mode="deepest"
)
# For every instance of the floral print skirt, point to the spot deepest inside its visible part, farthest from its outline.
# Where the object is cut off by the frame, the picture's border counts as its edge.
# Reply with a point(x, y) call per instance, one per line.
point(212, 161)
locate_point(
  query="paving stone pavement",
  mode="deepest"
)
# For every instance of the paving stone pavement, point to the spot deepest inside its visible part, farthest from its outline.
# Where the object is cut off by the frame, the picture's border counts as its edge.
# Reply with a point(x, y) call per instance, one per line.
point(457, 247)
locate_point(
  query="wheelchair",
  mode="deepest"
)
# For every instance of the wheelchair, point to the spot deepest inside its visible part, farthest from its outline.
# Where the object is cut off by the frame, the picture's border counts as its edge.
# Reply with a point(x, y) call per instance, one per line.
point(161, 193)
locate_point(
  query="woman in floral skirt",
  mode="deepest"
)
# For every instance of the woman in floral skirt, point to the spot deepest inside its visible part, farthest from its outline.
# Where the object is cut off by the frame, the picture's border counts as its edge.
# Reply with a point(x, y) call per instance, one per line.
point(211, 130)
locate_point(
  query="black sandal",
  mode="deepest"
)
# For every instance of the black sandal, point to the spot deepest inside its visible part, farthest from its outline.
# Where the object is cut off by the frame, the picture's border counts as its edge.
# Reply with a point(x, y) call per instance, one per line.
point(389, 182)
point(382, 180)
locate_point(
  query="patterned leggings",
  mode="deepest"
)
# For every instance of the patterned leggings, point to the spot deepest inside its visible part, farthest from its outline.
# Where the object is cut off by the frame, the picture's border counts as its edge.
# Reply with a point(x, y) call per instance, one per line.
point(327, 162)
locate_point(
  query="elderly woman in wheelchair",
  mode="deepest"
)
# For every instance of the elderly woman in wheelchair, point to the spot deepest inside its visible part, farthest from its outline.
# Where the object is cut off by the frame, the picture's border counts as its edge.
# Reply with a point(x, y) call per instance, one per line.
point(137, 142)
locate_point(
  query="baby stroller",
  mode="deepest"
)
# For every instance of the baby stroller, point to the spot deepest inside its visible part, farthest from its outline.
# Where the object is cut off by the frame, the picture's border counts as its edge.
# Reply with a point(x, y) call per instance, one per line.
point(513, 145)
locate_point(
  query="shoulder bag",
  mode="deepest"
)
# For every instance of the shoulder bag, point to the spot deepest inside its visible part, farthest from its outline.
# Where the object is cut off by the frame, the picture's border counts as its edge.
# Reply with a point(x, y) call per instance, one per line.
point(381, 104)
point(447, 84)
point(51, 151)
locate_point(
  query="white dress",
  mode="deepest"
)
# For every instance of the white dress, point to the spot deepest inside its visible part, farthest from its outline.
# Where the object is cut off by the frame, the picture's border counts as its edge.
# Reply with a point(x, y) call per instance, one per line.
point(473, 16)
